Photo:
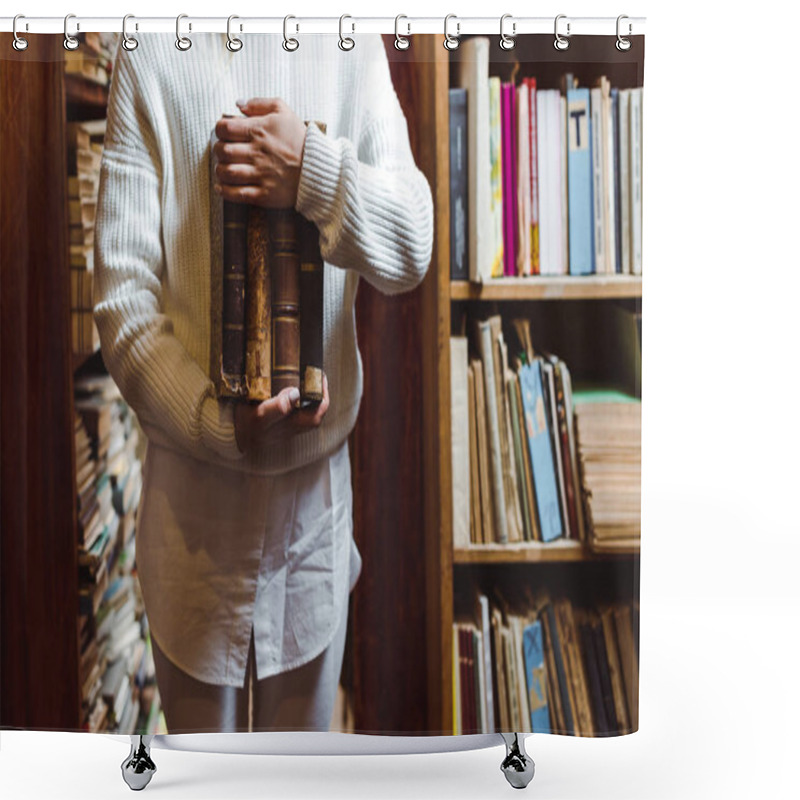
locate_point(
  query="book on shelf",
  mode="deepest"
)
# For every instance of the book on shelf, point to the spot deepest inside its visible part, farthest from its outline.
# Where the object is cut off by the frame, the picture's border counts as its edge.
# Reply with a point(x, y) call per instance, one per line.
point(459, 244)
point(544, 664)
point(267, 290)
point(555, 174)
point(534, 460)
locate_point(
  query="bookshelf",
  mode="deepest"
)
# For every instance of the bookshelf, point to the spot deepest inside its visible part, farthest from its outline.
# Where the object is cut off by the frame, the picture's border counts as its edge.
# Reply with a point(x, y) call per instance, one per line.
point(453, 573)
point(42, 576)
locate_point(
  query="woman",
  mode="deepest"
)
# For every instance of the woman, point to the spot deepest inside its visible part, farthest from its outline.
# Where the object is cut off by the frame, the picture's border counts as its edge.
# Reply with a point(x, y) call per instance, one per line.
point(244, 546)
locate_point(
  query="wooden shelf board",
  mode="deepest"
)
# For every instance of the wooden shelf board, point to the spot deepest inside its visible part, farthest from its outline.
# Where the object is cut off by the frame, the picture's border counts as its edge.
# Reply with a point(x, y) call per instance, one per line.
point(549, 287)
point(532, 552)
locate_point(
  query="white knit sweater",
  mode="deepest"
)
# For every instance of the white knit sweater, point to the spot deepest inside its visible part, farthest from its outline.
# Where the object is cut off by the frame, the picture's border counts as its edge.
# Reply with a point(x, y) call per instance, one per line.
point(358, 183)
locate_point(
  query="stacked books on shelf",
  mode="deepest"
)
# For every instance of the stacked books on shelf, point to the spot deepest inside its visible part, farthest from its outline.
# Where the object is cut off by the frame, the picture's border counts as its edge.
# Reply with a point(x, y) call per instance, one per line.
point(550, 668)
point(517, 459)
point(552, 180)
point(609, 430)
point(267, 284)
point(93, 59)
point(116, 668)
point(84, 151)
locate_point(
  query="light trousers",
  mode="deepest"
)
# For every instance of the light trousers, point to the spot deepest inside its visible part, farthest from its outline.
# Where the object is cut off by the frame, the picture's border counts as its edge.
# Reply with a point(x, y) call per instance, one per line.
point(298, 699)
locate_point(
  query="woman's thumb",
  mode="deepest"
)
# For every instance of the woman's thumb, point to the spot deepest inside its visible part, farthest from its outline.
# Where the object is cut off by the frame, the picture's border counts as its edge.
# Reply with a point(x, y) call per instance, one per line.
point(258, 106)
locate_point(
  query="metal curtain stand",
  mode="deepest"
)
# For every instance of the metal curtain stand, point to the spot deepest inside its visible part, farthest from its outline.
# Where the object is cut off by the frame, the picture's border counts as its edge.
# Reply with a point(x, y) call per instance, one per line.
point(518, 767)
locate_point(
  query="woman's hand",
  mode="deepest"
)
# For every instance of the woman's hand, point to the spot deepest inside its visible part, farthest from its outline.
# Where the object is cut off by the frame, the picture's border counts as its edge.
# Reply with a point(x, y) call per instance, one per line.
point(253, 421)
point(260, 154)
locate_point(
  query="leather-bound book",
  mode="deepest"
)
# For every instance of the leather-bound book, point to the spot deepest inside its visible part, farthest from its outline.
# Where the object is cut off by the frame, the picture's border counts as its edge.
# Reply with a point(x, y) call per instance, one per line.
point(234, 275)
point(228, 277)
point(258, 353)
point(312, 284)
point(285, 273)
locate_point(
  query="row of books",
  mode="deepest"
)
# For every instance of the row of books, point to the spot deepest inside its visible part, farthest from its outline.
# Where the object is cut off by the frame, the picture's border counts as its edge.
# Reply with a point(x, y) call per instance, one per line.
point(551, 667)
point(542, 181)
point(84, 153)
point(267, 283)
point(116, 667)
point(531, 459)
point(93, 59)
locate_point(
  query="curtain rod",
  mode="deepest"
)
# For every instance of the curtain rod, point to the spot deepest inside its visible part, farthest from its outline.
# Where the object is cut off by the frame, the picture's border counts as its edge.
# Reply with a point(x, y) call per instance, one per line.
point(405, 25)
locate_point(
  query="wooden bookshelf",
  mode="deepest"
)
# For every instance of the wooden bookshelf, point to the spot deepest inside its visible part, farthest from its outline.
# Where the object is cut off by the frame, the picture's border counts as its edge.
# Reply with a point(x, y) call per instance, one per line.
point(450, 570)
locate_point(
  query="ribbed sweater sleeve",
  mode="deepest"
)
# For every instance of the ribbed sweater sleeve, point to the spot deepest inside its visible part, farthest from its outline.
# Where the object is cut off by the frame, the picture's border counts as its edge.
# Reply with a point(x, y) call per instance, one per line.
point(372, 205)
point(166, 387)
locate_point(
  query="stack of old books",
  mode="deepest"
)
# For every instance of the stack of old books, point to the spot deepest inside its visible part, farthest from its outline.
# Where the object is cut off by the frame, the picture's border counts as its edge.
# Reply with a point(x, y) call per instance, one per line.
point(84, 149)
point(267, 283)
point(113, 630)
point(609, 430)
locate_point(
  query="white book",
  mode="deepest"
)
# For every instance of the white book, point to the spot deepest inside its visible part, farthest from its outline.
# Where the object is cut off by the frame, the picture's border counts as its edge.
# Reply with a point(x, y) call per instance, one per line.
point(624, 177)
point(557, 145)
point(564, 129)
point(486, 630)
point(524, 262)
point(596, 101)
point(534, 158)
point(636, 180)
point(609, 171)
point(473, 74)
point(459, 440)
point(545, 211)
point(479, 664)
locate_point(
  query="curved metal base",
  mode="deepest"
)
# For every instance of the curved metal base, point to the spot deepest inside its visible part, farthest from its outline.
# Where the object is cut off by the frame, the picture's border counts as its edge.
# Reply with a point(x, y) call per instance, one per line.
point(138, 768)
point(517, 766)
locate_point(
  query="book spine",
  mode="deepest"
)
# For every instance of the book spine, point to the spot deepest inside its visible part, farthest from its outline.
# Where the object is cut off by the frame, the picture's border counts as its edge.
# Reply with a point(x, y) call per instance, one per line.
point(496, 161)
point(312, 289)
point(234, 266)
point(285, 274)
point(459, 242)
point(257, 296)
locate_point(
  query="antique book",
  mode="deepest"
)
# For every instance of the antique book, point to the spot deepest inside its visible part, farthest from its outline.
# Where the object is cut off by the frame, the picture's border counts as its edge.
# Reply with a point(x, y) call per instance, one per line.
point(258, 308)
point(234, 273)
point(285, 271)
point(312, 285)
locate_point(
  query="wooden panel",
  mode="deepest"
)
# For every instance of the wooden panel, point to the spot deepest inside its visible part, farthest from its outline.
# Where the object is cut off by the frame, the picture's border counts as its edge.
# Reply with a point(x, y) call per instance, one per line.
point(38, 558)
point(388, 606)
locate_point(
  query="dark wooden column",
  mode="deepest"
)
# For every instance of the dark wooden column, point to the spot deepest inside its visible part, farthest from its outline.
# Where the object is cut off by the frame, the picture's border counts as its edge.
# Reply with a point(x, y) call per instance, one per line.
point(38, 570)
point(393, 632)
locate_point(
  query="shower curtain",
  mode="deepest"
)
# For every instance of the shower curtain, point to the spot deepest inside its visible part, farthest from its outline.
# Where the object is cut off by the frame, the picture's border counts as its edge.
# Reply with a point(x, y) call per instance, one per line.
point(321, 382)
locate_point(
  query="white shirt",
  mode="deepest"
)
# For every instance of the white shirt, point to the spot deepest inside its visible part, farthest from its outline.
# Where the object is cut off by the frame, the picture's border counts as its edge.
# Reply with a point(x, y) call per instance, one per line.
point(220, 553)
point(226, 541)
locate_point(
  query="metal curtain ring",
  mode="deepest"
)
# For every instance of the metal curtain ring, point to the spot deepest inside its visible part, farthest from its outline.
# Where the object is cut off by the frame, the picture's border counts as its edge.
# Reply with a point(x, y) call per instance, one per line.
point(19, 43)
point(345, 42)
point(623, 44)
point(289, 44)
point(507, 42)
point(451, 42)
point(182, 42)
point(401, 42)
point(128, 42)
point(234, 43)
point(70, 42)
point(561, 43)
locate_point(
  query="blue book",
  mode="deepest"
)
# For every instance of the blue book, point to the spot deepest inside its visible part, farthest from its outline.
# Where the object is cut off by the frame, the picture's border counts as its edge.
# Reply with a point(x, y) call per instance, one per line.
point(579, 183)
point(535, 677)
point(537, 429)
